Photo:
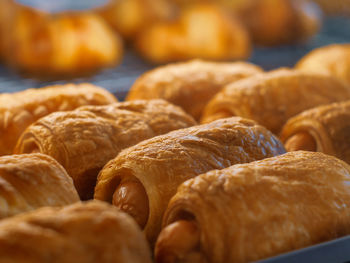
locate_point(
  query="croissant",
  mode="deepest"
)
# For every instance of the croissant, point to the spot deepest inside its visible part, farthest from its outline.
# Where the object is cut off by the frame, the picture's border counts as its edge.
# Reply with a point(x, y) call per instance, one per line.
point(333, 60)
point(142, 178)
point(324, 129)
point(55, 46)
point(19, 110)
point(202, 31)
point(272, 98)
point(81, 233)
point(84, 140)
point(191, 84)
point(30, 181)
point(249, 212)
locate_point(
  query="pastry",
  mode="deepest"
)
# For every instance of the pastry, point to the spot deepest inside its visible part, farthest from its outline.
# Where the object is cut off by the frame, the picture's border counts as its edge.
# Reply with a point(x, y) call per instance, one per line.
point(323, 129)
point(191, 84)
point(142, 178)
point(272, 98)
point(333, 60)
point(253, 211)
point(81, 233)
point(202, 31)
point(55, 46)
point(84, 140)
point(30, 181)
point(19, 110)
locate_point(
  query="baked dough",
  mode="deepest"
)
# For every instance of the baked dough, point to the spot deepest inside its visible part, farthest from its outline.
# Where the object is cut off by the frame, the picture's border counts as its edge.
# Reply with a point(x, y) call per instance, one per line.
point(19, 110)
point(81, 233)
point(249, 212)
point(272, 98)
point(333, 60)
point(328, 127)
point(191, 84)
point(30, 181)
point(84, 140)
point(162, 163)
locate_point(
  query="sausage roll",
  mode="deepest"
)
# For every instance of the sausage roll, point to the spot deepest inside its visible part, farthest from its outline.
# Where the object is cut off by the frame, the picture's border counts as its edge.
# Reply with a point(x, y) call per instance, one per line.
point(142, 178)
point(29, 181)
point(323, 129)
point(81, 233)
point(19, 110)
point(249, 212)
point(202, 31)
point(189, 85)
point(272, 98)
point(84, 140)
point(333, 60)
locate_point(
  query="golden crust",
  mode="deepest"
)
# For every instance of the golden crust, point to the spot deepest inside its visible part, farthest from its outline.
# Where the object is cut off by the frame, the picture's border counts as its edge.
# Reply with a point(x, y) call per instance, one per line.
point(30, 181)
point(191, 84)
point(272, 98)
point(164, 162)
point(333, 60)
point(252, 211)
point(83, 232)
point(19, 110)
point(329, 125)
point(84, 140)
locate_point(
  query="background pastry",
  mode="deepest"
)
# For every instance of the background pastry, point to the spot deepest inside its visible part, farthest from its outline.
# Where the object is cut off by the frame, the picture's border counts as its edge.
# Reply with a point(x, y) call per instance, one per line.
point(142, 178)
point(83, 232)
point(191, 84)
point(249, 212)
point(84, 140)
point(333, 60)
point(19, 110)
point(30, 181)
point(272, 98)
point(323, 129)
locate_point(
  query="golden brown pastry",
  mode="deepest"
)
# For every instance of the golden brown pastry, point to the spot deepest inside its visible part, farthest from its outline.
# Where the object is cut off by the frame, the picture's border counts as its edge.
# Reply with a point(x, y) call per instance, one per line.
point(58, 45)
point(81, 233)
point(30, 181)
point(84, 140)
point(323, 129)
point(201, 31)
point(249, 212)
point(191, 84)
point(333, 60)
point(19, 110)
point(142, 179)
point(272, 98)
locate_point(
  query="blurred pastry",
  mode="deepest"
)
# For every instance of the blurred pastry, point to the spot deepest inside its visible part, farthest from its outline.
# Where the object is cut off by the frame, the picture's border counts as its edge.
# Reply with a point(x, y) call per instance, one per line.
point(189, 85)
point(335, 7)
point(333, 60)
point(142, 179)
point(59, 45)
point(81, 233)
point(30, 181)
point(19, 110)
point(272, 98)
point(84, 140)
point(323, 129)
point(253, 211)
point(201, 31)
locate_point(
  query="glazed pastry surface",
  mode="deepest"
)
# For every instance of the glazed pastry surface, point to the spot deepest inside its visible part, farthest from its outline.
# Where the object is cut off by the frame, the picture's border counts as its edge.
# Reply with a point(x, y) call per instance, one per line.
point(333, 60)
point(30, 181)
point(162, 163)
point(84, 140)
point(272, 98)
point(249, 212)
point(19, 110)
point(329, 127)
point(83, 232)
point(190, 85)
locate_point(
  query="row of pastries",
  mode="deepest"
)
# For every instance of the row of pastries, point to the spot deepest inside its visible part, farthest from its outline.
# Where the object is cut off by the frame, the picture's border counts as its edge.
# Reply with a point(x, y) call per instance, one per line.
point(203, 162)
